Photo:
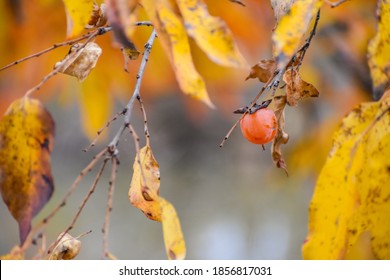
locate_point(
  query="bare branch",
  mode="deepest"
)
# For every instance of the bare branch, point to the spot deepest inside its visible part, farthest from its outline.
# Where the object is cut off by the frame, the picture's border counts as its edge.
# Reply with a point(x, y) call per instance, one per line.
point(136, 93)
point(86, 198)
point(111, 188)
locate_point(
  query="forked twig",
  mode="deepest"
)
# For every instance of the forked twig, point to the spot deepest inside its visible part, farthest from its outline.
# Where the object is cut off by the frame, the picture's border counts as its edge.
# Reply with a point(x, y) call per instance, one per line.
point(72, 188)
point(129, 107)
point(86, 198)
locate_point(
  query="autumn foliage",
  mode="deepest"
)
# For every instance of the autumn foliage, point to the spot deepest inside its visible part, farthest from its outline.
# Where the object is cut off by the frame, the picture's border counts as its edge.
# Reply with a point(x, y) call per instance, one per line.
point(195, 46)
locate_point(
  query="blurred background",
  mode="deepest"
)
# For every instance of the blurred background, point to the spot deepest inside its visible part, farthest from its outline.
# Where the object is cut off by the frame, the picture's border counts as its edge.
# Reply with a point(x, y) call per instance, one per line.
point(232, 202)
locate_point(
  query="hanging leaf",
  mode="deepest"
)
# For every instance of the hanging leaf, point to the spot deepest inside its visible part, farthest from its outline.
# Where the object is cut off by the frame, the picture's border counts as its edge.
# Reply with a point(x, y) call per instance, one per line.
point(81, 63)
point(78, 14)
point(118, 13)
point(67, 249)
point(262, 70)
point(292, 28)
point(173, 37)
point(349, 211)
point(379, 51)
point(144, 195)
point(26, 141)
point(281, 137)
point(210, 33)
point(143, 192)
point(173, 236)
point(297, 88)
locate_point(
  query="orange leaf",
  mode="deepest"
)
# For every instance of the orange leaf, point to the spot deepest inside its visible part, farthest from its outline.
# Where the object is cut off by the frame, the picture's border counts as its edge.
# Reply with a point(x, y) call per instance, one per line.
point(26, 141)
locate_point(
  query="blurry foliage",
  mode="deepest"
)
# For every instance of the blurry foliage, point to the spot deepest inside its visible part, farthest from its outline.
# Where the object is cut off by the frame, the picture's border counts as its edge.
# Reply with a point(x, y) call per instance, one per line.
point(202, 49)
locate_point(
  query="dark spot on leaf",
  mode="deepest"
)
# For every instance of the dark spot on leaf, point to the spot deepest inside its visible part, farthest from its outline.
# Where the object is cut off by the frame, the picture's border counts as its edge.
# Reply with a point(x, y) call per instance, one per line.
point(172, 255)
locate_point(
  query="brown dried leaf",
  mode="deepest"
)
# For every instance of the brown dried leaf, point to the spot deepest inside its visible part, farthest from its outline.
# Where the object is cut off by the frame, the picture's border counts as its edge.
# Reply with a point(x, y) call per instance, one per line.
point(26, 141)
point(117, 13)
point(262, 70)
point(297, 88)
point(98, 17)
point(80, 64)
point(281, 137)
point(67, 249)
point(145, 184)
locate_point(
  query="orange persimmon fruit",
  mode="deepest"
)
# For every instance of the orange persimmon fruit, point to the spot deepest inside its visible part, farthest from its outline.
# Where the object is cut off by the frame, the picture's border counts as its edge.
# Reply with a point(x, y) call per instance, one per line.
point(259, 127)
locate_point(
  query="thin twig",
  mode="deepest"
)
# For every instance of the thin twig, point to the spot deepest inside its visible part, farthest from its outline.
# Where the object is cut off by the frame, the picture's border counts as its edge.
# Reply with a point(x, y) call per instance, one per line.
point(100, 131)
point(130, 104)
point(146, 130)
point(67, 43)
point(59, 67)
point(86, 198)
point(111, 188)
point(38, 54)
point(72, 188)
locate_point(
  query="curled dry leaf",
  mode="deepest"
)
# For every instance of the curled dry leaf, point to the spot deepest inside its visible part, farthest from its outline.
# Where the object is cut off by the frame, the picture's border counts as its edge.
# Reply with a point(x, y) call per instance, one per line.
point(98, 17)
point(144, 195)
point(348, 215)
point(67, 249)
point(79, 63)
point(145, 184)
point(26, 142)
point(297, 88)
point(281, 137)
point(262, 70)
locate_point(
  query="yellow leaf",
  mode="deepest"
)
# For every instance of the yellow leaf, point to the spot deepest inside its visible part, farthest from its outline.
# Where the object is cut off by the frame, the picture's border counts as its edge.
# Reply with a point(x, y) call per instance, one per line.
point(350, 207)
point(145, 196)
point(78, 14)
point(173, 236)
point(174, 39)
point(145, 184)
point(292, 28)
point(26, 141)
point(281, 7)
point(210, 33)
point(379, 50)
